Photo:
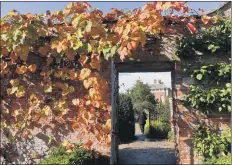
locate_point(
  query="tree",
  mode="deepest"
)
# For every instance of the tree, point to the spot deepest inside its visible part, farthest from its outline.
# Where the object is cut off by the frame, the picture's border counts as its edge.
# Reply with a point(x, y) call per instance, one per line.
point(141, 93)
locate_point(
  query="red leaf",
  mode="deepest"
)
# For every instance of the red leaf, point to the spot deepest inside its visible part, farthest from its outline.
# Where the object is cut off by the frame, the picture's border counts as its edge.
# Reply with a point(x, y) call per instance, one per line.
point(191, 28)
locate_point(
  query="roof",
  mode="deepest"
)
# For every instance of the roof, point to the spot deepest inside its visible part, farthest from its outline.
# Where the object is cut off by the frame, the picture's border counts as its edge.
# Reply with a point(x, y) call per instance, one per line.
point(157, 86)
point(218, 8)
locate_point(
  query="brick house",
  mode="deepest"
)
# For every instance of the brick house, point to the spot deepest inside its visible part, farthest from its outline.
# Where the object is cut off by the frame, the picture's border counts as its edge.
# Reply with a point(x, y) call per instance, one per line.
point(160, 91)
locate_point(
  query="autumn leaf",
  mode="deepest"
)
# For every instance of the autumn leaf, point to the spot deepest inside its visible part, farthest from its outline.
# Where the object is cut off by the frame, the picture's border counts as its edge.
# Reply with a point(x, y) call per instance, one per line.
point(43, 50)
point(85, 73)
point(20, 92)
point(76, 102)
point(73, 75)
point(49, 60)
point(14, 82)
point(83, 59)
point(21, 70)
point(32, 68)
point(205, 19)
point(48, 88)
point(88, 144)
point(191, 28)
point(59, 46)
point(166, 6)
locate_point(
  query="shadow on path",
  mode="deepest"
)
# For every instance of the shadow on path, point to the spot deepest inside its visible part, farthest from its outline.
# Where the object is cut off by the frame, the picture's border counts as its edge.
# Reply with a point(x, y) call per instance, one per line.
point(147, 151)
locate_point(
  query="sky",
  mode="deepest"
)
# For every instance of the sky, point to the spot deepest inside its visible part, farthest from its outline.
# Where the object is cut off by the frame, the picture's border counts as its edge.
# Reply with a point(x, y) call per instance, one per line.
point(41, 7)
point(127, 78)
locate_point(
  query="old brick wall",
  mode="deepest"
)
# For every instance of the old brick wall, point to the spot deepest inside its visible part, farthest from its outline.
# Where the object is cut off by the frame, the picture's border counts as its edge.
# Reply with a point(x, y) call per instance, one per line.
point(186, 119)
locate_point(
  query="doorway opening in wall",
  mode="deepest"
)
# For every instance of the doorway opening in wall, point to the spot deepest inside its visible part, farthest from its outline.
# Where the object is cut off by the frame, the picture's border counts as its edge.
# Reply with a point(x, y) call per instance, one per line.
point(145, 132)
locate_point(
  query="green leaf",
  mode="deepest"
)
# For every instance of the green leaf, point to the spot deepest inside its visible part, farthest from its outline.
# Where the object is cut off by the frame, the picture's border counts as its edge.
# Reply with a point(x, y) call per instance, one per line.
point(31, 31)
point(106, 50)
point(228, 85)
point(113, 49)
point(199, 76)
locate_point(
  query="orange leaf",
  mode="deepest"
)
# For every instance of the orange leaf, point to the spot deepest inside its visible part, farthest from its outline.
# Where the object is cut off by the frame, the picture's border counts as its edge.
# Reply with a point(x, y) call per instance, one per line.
point(85, 73)
point(32, 68)
point(95, 63)
point(21, 69)
point(73, 75)
point(205, 19)
point(88, 144)
point(83, 59)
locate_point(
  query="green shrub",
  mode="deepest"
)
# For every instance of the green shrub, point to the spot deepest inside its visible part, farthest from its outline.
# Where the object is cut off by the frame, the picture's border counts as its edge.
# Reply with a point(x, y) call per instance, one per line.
point(60, 155)
point(126, 121)
point(171, 135)
point(158, 129)
point(221, 160)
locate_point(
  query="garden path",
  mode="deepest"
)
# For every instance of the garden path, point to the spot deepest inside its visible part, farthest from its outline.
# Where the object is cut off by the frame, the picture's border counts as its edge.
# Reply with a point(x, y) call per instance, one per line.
point(147, 151)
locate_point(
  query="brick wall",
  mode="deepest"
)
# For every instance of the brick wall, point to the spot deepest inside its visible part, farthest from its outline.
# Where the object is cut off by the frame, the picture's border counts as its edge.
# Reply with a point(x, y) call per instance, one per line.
point(186, 119)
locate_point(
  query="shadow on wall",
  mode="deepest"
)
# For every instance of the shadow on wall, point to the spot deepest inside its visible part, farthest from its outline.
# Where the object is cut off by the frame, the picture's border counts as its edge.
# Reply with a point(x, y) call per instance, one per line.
point(147, 156)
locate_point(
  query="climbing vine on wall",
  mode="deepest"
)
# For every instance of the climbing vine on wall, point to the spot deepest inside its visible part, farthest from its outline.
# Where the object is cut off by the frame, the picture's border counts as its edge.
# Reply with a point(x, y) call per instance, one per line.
point(212, 40)
point(50, 65)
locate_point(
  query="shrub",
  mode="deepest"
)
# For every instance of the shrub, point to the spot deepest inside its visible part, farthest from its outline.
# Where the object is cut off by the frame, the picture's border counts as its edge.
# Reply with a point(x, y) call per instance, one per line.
point(221, 160)
point(171, 135)
point(157, 129)
point(126, 121)
point(78, 156)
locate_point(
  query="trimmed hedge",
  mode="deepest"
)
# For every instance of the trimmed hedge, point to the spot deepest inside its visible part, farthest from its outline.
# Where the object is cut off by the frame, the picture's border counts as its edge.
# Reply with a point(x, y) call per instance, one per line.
point(126, 121)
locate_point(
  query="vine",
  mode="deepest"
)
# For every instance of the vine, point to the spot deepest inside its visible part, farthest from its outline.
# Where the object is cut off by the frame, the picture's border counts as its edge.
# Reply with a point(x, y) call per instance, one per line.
point(51, 65)
point(210, 144)
point(212, 40)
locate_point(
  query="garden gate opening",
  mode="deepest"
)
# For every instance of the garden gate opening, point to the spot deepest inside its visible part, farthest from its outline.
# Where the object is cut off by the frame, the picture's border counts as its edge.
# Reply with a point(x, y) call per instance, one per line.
point(145, 65)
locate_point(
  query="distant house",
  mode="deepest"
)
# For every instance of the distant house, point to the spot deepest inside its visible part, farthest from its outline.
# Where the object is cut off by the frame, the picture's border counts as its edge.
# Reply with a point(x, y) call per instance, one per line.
point(160, 91)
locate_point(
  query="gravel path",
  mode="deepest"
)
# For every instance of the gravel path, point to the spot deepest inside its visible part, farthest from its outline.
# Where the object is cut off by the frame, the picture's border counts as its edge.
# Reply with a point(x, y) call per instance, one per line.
point(145, 151)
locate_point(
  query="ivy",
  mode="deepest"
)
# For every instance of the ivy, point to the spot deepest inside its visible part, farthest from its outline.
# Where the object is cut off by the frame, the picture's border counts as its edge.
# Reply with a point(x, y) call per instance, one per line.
point(210, 144)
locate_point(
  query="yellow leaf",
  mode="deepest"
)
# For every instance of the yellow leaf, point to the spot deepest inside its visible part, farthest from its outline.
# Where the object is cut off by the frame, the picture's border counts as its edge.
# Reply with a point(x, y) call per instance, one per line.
point(166, 6)
point(46, 110)
point(20, 92)
point(65, 143)
point(48, 88)
point(85, 73)
point(14, 82)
